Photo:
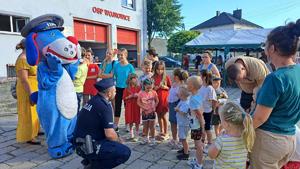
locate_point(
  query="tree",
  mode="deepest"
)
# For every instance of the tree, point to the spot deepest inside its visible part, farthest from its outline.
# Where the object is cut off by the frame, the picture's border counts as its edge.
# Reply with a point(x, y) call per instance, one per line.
point(179, 39)
point(163, 17)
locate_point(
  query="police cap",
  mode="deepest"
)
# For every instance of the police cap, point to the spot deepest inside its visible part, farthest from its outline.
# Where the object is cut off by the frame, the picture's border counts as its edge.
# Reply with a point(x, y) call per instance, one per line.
point(43, 23)
point(104, 84)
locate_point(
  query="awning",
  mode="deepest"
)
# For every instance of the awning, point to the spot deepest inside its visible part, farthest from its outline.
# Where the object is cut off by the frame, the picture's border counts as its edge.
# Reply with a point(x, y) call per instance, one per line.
point(221, 39)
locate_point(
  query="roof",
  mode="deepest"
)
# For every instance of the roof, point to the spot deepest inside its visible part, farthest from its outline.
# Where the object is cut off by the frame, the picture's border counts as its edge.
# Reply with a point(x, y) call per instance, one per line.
point(243, 38)
point(224, 19)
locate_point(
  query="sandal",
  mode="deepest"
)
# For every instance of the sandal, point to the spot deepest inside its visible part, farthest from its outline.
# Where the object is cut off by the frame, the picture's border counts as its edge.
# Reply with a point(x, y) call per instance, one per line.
point(34, 142)
point(41, 133)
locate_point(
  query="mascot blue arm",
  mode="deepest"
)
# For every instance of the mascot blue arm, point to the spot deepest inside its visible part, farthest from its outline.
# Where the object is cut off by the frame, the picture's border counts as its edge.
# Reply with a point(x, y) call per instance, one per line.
point(56, 57)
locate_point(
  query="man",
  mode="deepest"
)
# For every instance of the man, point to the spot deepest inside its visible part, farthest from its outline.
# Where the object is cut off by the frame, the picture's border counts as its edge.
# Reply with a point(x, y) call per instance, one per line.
point(152, 56)
point(249, 73)
point(95, 138)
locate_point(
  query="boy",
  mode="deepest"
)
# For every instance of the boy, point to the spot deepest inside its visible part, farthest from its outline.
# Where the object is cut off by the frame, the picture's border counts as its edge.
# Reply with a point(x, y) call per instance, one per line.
point(182, 110)
point(196, 120)
point(222, 97)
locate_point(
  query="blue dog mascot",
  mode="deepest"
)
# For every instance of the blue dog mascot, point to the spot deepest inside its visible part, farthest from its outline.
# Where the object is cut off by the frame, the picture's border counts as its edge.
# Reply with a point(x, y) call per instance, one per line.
point(57, 60)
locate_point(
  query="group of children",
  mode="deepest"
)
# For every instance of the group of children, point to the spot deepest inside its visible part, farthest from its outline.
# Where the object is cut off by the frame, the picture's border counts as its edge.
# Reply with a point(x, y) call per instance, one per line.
point(193, 104)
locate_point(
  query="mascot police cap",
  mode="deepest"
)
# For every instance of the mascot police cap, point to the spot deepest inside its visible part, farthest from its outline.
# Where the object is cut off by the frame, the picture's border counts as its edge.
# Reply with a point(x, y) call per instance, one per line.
point(42, 23)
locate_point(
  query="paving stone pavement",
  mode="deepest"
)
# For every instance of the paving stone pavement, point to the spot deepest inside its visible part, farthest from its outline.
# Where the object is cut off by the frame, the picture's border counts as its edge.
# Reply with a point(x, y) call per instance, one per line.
point(22, 156)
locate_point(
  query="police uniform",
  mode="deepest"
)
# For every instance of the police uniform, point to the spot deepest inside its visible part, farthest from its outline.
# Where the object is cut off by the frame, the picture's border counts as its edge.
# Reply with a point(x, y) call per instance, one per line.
point(93, 118)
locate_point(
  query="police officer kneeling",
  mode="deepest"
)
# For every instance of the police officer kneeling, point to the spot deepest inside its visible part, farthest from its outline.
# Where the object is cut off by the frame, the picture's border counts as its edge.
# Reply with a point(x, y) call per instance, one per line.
point(95, 138)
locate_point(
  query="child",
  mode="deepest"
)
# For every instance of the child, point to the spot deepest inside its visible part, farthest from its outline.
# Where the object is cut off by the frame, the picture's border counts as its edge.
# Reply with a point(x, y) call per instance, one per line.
point(132, 110)
point(232, 146)
point(162, 85)
point(147, 70)
point(196, 120)
point(294, 162)
point(147, 73)
point(179, 77)
point(182, 117)
point(222, 97)
point(147, 101)
point(207, 92)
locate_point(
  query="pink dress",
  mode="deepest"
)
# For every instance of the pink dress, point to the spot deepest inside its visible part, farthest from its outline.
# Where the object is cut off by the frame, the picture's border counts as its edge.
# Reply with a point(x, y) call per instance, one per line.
point(148, 101)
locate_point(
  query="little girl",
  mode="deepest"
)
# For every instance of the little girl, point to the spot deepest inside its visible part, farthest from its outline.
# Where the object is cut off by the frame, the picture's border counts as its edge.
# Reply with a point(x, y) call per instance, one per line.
point(179, 76)
point(162, 83)
point(209, 96)
point(232, 146)
point(132, 110)
point(148, 101)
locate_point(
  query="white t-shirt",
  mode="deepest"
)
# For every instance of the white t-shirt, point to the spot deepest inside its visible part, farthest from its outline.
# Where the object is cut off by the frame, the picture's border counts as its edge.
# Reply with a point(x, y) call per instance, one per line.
point(296, 155)
point(195, 103)
point(173, 93)
point(208, 94)
point(183, 119)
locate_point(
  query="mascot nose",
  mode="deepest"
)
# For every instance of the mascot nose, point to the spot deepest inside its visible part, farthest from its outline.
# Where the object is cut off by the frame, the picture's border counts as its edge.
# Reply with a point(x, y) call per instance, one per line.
point(69, 48)
point(73, 39)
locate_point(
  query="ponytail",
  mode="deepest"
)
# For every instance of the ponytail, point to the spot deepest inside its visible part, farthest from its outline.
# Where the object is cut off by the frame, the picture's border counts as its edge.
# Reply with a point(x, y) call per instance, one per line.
point(248, 132)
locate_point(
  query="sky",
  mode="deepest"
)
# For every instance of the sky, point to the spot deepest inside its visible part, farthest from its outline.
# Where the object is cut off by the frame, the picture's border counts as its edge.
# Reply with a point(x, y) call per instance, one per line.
point(266, 13)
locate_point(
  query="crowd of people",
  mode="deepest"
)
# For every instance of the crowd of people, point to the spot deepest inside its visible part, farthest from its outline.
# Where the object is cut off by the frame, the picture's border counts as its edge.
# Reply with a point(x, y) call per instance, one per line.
point(259, 130)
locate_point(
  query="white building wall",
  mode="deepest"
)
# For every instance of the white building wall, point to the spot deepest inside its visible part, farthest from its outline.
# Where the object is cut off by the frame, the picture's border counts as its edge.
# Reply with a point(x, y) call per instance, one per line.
point(69, 9)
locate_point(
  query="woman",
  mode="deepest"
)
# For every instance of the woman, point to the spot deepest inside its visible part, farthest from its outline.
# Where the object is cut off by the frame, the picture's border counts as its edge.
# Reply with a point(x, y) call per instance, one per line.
point(278, 101)
point(121, 72)
point(153, 57)
point(28, 122)
point(89, 89)
point(208, 65)
point(106, 68)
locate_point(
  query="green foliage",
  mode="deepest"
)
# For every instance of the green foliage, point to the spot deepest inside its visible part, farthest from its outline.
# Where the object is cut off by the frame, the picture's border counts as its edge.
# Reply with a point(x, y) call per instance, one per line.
point(179, 39)
point(163, 17)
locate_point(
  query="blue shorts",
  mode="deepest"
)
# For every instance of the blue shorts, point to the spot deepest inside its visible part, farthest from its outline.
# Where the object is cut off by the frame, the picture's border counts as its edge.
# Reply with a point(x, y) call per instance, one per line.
point(172, 113)
point(183, 132)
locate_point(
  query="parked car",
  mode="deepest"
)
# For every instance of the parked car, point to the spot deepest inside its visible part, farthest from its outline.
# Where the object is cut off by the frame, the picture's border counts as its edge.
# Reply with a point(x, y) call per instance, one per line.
point(170, 62)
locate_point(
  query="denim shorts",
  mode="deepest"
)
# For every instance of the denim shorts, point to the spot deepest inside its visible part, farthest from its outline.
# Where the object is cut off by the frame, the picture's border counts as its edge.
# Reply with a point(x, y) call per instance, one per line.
point(172, 113)
point(183, 132)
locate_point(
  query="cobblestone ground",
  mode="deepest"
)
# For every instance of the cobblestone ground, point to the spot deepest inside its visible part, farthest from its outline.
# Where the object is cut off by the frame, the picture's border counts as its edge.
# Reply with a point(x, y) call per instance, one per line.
point(22, 156)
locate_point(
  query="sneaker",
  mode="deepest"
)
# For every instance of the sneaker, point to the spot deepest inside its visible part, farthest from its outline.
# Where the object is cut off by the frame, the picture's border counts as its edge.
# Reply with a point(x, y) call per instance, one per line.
point(191, 162)
point(152, 142)
point(127, 128)
point(177, 145)
point(205, 150)
point(171, 143)
point(181, 151)
point(183, 156)
point(144, 141)
point(197, 166)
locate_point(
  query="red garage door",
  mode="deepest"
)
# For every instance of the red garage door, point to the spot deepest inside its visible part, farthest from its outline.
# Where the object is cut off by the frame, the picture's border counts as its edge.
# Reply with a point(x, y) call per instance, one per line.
point(85, 31)
point(126, 37)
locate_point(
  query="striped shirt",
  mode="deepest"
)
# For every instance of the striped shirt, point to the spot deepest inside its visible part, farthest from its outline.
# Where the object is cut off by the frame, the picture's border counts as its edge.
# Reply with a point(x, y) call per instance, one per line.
point(233, 153)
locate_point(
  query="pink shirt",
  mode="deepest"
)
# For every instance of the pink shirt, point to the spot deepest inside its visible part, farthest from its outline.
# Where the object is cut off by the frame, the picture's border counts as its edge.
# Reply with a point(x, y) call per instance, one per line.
point(148, 101)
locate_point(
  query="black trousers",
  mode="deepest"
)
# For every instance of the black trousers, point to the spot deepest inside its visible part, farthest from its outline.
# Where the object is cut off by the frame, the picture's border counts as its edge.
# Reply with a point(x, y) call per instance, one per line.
point(246, 99)
point(110, 155)
point(118, 101)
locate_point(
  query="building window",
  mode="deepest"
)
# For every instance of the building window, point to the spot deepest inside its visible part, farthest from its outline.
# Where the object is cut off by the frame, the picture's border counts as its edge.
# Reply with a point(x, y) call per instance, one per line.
point(11, 23)
point(128, 4)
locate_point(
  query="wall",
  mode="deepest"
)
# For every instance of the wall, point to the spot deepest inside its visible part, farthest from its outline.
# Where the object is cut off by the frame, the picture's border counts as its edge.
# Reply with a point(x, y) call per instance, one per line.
point(160, 46)
point(69, 9)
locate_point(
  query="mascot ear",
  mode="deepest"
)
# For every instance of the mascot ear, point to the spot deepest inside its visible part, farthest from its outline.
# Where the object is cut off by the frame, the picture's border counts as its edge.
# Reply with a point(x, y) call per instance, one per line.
point(32, 49)
point(75, 41)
